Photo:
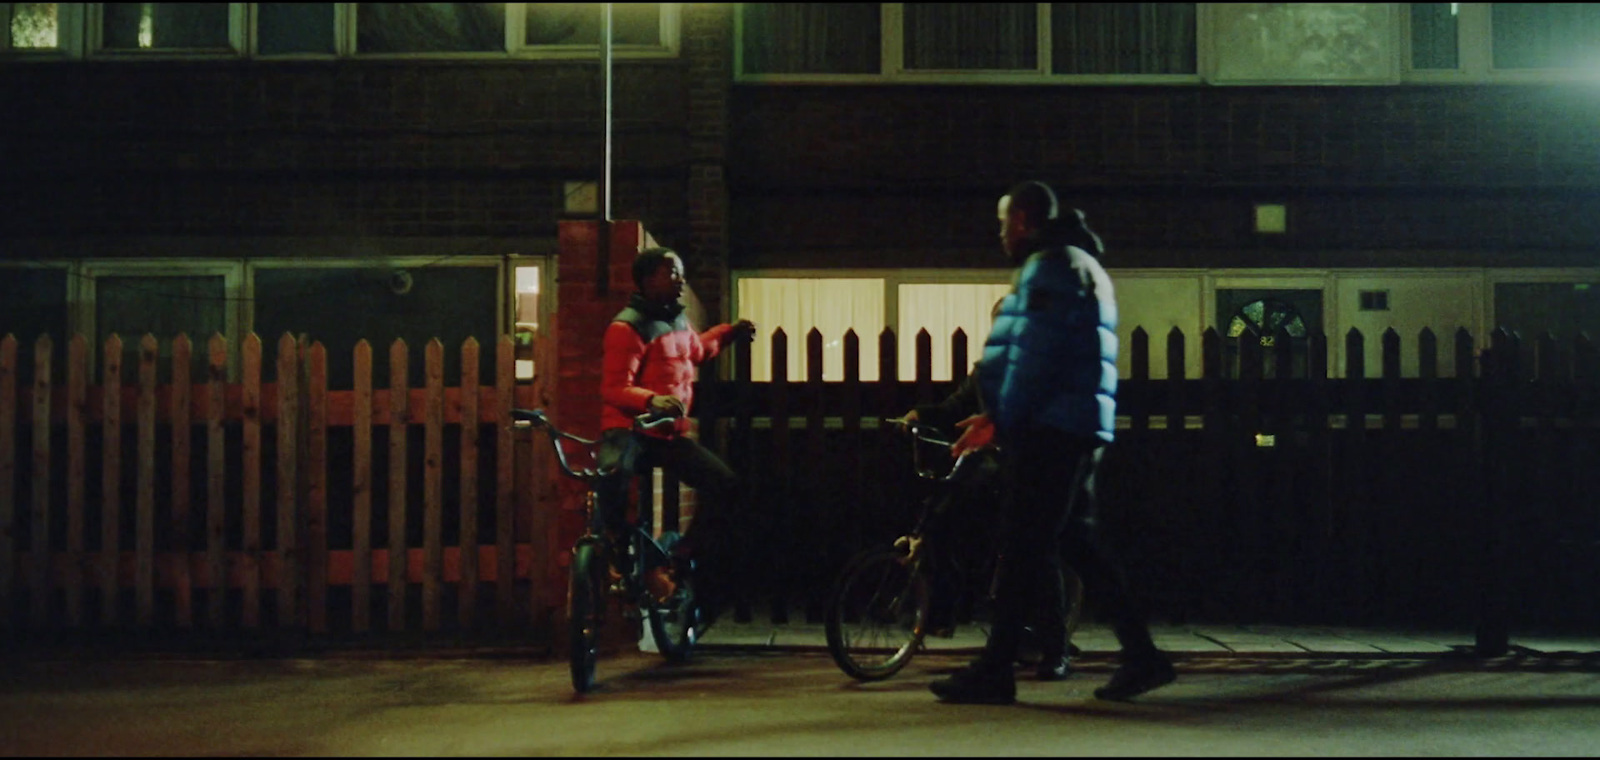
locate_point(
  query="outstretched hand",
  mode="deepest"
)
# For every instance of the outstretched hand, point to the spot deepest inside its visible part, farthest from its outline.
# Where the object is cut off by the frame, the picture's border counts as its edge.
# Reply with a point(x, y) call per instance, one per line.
point(743, 330)
point(977, 432)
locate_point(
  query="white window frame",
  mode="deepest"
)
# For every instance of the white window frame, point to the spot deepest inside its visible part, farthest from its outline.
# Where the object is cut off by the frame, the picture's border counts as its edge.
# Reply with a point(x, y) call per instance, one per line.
point(515, 41)
point(70, 25)
point(1475, 56)
point(94, 34)
point(235, 317)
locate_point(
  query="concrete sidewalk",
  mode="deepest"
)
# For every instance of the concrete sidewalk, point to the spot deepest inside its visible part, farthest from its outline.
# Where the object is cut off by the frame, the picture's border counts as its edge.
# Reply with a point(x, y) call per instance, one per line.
point(1190, 640)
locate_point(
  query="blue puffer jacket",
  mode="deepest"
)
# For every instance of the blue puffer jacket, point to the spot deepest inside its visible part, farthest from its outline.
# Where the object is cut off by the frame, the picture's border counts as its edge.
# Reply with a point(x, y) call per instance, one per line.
point(1051, 357)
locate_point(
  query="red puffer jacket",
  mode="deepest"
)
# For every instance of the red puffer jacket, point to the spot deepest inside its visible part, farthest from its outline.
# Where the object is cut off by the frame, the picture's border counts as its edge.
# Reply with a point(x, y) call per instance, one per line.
point(648, 352)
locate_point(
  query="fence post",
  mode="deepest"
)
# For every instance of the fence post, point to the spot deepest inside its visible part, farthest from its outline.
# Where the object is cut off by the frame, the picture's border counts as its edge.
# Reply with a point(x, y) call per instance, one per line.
point(1355, 437)
point(505, 485)
point(816, 453)
point(850, 409)
point(780, 464)
point(1138, 386)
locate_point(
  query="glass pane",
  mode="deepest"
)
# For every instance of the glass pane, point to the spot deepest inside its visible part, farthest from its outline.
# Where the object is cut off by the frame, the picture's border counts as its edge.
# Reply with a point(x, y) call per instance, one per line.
point(131, 306)
point(295, 28)
point(430, 27)
point(1122, 38)
point(941, 309)
point(971, 36)
point(579, 24)
point(831, 306)
point(1545, 35)
point(142, 26)
point(35, 26)
point(812, 38)
point(1433, 36)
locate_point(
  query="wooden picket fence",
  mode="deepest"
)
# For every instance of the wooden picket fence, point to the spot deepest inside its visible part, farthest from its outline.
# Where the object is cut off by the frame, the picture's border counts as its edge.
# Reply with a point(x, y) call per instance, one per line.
point(252, 551)
point(1272, 492)
point(1269, 493)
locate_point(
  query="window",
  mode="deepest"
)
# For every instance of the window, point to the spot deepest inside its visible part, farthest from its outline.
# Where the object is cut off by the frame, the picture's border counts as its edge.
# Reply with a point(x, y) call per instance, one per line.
point(1435, 32)
point(831, 306)
point(291, 28)
point(1123, 38)
point(579, 24)
point(1545, 35)
point(169, 27)
point(811, 38)
point(941, 309)
point(1374, 300)
point(969, 36)
point(40, 28)
point(430, 27)
point(131, 300)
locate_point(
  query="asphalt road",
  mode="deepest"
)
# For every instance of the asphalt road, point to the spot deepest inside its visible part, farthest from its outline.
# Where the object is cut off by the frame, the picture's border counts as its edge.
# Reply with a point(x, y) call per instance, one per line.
point(790, 703)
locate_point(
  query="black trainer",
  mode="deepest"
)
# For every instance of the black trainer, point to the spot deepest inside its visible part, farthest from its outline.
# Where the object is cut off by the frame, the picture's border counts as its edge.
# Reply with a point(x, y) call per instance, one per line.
point(1136, 677)
point(1053, 667)
point(977, 684)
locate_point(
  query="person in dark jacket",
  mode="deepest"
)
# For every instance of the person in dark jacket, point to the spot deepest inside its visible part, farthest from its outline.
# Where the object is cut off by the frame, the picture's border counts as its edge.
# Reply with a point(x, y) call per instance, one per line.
point(648, 364)
point(1048, 380)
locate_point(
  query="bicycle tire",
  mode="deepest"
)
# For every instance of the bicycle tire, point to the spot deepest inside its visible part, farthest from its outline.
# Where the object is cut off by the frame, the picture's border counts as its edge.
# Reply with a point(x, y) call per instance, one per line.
point(675, 623)
point(877, 615)
point(586, 598)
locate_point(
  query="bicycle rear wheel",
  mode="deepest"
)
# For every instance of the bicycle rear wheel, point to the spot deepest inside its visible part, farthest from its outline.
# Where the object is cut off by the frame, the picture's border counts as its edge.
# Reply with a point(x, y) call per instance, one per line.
point(586, 601)
point(877, 615)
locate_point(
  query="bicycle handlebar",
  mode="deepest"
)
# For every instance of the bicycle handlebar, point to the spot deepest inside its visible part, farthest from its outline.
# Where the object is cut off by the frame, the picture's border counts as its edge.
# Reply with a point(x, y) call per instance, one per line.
point(537, 418)
point(919, 434)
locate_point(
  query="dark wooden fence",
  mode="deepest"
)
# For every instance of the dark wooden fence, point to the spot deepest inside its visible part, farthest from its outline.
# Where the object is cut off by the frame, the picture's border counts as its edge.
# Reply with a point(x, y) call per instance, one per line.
point(1265, 493)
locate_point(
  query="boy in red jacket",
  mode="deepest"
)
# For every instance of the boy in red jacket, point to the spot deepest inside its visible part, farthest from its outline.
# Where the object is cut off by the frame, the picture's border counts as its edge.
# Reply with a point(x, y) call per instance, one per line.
point(649, 365)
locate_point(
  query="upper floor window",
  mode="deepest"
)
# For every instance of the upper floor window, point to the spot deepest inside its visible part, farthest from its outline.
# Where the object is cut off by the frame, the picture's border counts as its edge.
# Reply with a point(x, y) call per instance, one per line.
point(1504, 41)
point(1123, 38)
point(971, 36)
point(1545, 35)
point(472, 30)
point(811, 38)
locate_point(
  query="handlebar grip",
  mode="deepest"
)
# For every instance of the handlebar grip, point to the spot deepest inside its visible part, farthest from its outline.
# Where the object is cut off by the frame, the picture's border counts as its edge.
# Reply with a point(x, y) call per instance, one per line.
point(535, 416)
point(647, 421)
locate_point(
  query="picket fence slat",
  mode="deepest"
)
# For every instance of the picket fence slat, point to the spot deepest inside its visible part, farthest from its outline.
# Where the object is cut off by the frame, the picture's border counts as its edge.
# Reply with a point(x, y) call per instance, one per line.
point(399, 394)
point(39, 525)
point(505, 476)
point(288, 430)
point(361, 491)
point(466, 608)
point(178, 536)
point(77, 472)
point(316, 475)
point(216, 477)
point(250, 611)
point(432, 483)
point(110, 479)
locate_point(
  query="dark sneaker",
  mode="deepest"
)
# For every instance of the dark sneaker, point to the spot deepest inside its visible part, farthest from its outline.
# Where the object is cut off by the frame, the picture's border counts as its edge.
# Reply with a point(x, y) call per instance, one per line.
point(1053, 668)
point(977, 684)
point(1136, 677)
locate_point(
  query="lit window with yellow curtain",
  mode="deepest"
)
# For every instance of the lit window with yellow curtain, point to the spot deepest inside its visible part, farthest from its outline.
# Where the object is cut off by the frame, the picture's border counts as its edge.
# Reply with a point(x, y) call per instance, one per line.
point(832, 306)
point(941, 309)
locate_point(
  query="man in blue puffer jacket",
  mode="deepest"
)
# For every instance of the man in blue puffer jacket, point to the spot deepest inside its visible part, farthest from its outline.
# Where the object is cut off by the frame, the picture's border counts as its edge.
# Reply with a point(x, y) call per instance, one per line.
point(1048, 378)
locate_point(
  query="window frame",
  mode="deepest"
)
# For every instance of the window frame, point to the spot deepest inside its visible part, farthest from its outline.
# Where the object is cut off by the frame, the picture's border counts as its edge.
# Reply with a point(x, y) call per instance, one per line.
point(1475, 43)
point(82, 291)
point(239, 23)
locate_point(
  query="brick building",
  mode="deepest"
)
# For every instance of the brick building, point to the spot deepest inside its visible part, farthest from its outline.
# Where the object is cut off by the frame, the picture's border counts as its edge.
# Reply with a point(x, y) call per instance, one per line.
point(383, 170)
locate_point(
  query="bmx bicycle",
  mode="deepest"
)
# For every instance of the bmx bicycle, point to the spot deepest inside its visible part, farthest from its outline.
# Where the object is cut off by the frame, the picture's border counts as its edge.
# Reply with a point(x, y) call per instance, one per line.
point(673, 619)
point(878, 614)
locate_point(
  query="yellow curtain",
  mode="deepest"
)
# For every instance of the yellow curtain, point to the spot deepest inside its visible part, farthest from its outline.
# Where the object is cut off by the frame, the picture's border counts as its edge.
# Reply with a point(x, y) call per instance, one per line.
point(941, 309)
point(797, 305)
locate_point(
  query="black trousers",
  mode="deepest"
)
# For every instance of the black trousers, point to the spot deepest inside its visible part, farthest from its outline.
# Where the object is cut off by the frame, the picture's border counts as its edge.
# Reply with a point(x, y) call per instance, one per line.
point(714, 482)
point(1046, 520)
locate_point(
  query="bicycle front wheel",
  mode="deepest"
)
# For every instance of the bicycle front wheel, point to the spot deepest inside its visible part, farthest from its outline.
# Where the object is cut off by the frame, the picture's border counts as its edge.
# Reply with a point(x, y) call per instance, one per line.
point(586, 601)
point(675, 622)
point(876, 615)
